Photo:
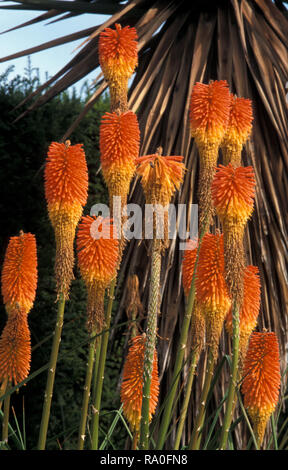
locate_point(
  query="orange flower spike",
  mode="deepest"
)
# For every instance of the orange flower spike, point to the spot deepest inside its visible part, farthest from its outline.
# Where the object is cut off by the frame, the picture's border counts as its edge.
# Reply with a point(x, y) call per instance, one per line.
point(188, 264)
point(118, 59)
point(66, 191)
point(249, 310)
point(19, 273)
point(211, 290)
point(209, 115)
point(238, 130)
point(15, 348)
point(161, 176)
point(119, 148)
point(197, 319)
point(233, 191)
point(97, 260)
point(261, 380)
point(132, 383)
point(209, 112)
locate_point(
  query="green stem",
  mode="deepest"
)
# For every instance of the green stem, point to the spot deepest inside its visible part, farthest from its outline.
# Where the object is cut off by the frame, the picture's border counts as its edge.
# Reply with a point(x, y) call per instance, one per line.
point(198, 426)
point(150, 342)
point(180, 352)
point(187, 396)
point(101, 368)
point(233, 379)
point(96, 365)
point(51, 374)
point(86, 394)
point(5, 424)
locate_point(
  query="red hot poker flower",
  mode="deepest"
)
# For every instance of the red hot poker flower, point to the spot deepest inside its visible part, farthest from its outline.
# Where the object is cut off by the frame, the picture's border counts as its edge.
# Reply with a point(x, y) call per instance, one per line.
point(19, 273)
point(211, 289)
point(238, 130)
point(118, 59)
point(132, 383)
point(15, 348)
point(261, 380)
point(97, 260)
point(66, 191)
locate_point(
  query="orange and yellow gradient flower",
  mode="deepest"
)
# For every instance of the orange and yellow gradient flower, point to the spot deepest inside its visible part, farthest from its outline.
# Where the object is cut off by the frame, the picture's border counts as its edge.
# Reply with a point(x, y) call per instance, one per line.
point(97, 260)
point(19, 283)
point(238, 130)
point(209, 115)
point(233, 191)
point(19, 273)
point(132, 383)
point(118, 59)
point(211, 290)
point(249, 311)
point(15, 349)
point(66, 191)
point(119, 148)
point(261, 380)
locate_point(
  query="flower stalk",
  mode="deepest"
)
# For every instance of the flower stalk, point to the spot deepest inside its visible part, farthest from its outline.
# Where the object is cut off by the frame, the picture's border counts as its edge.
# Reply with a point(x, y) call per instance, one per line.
point(86, 394)
point(183, 413)
point(233, 378)
point(150, 343)
point(96, 404)
point(195, 440)
point(167, 414)
point(51, 374)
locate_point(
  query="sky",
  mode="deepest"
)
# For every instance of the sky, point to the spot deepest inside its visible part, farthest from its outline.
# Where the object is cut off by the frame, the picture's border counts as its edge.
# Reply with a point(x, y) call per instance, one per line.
point(50, 60)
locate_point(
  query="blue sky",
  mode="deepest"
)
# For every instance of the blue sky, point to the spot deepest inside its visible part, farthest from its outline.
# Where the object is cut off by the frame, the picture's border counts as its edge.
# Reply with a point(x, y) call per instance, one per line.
point(50, 60)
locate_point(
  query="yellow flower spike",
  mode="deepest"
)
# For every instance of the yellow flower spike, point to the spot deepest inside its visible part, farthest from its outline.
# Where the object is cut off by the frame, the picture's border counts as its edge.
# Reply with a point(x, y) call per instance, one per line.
point(212, 294)
point(118, 59)
point(238, 130)
point(19, 273)
point(209, 115)
point(132, 383)
point(233, 191)
point(97, 260)
point(66, 191)
point(261, 380)
point(160, 176)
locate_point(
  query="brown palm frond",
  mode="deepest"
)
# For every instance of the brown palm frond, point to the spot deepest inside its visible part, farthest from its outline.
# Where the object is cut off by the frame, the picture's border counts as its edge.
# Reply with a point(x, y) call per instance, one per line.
point(180, 43)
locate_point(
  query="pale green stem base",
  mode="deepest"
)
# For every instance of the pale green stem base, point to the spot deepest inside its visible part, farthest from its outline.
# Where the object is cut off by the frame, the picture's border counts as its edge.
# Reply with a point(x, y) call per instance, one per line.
point(51, 374)
point(96, 365)
point(198, 426)
point(86, 394)
point(186, 400)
